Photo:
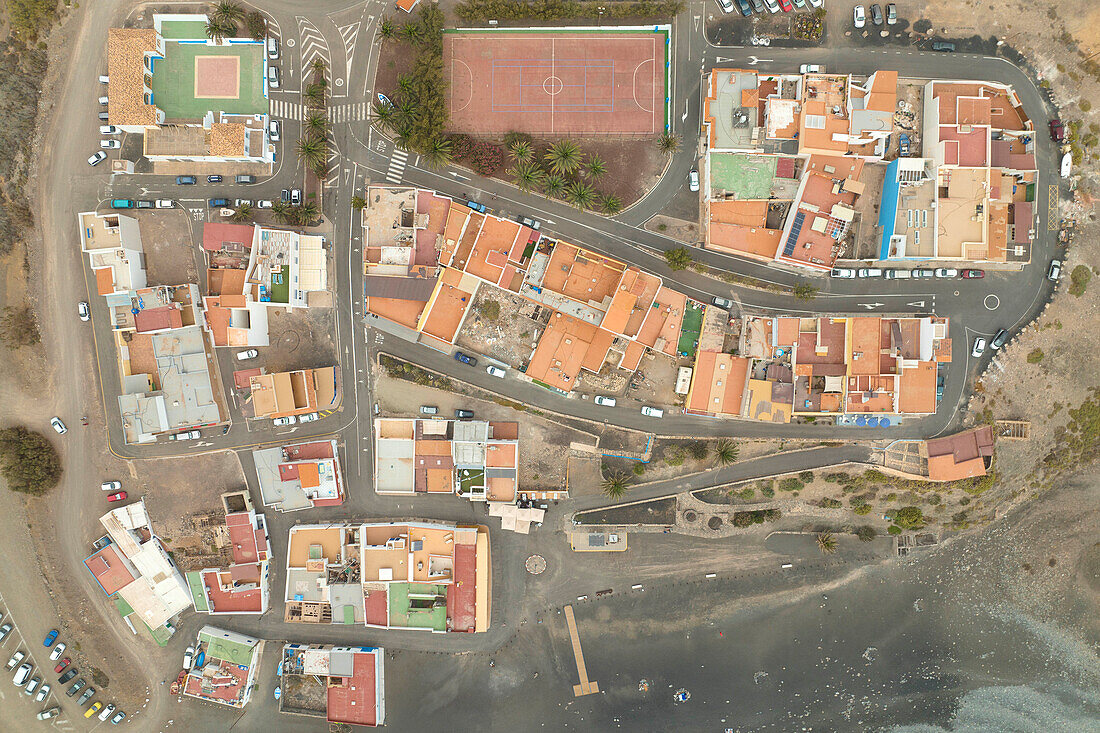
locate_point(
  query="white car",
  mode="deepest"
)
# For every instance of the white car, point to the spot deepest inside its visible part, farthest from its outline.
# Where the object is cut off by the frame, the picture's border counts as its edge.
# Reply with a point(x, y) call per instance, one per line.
point(58, 425)
point(652, 411)
point(188, 435)
point(817, 3)
point(108, 130)
point(165, 203)
point(21, 675)
point(859, 16)
point(273, 130)
point(42, 692)
point(98, 157)
point(83, 311)
point(188, 656)
point(604, 400)
point(107, 712)
point(693, 180)
point(726, 5)
point(264, 204)
point(811, 69)
point(273, 77)
point(60, 648)
point(309, 417)
point(283, 421)
point(495, 371)
point(772, 6)
point(946, 272)
point(110, 144)
point(250, 354)
point(32, 686)
point(103, 78)
point(1055, 271)
point(979, 347)
point(869, 272)
point(242, 202)
point(103, 100)
point(842, 272)
point(15, 659)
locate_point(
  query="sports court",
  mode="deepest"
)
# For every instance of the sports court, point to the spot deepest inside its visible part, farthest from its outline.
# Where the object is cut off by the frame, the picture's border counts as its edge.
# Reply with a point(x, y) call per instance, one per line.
point(584, 83)
point(194, 78)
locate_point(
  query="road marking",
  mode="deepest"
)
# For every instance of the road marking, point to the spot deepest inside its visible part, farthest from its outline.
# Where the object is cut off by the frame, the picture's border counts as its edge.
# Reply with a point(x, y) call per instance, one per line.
point(284, 109)
point(1052, 208)
point(397, 165)
point(313, 43)
point(349, 33)
point(916, 304)
point(871, 306)
point(991, 302)
point(585, 687)
point(350, 112)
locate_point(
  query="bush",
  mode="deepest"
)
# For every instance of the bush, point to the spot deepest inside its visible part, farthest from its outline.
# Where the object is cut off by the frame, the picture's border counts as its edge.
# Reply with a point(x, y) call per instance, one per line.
point(638, 469)
point(1035, 356)
point(747, 494)
point(483, 10)
point(678, 258)
point(461, 146)
point(909, 517)
point(767, 491)
point(893, 529)
point(790, 484)
point(1084, 105)
point(1079, 280)
point(19, 328)
point(866, 533)
point(742, 519)
point(862, 509)
point(489, 310)
point(830, 503)
point(256, 25)
point(806, 477)
point(28, 461)
point(698, 450)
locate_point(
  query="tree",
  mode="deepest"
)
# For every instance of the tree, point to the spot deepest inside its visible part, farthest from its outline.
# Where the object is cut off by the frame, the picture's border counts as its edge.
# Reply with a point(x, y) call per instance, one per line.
point(564, 157)
point(528, 175)
point(28, 461)
point(410, 32)
point(698, 450)
point(382, 115)
point(611, 204)
point(18, 327)
point(358, 203)
point(318, 65)
point(521, 151)
point(826, 542)
point(489, 310)
point(243, 213)
point(805, 291)
point(580, 194)
point(312, 151)
point(307, 212)
point(227, 11)
point(315, 94)
point(678, 258)
point(256, 24)
point(594, 167)
point(315, 124)
point(725, 452)
point(438, 152)
point(866, 533)
point(387, 29)
point(615, 485)
point(554, 185)
point(668, 143)
point(219, 30)
point(909, 517)
point(405, 84)
point(281, 211)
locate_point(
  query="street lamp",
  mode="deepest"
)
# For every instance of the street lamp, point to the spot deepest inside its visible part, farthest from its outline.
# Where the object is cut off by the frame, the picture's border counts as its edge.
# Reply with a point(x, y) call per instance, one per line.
point(599, 20)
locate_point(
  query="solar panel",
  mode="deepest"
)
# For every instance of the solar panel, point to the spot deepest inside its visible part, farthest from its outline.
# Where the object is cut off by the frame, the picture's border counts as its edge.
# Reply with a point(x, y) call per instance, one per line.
point(796, 229)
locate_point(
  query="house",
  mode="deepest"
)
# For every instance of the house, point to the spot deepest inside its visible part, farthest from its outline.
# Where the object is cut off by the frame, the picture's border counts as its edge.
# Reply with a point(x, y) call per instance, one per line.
point(294, 393)
point(300, 476)
point(225, 667)
point(352, 678)
point(242, 586)
point(112, 242)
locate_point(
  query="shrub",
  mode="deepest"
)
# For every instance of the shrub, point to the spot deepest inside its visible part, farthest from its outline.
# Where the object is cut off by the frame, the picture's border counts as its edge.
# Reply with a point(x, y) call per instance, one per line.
point(806, 477)
point(18, 327)
point(1079, 280)
point(1035, 356)
point(461, 146)
point(862, 509)
point(638, 469)
point(866, 533)
point(893, 529)
point(830, 503)
point(678, 258)
point(1084, 105)
point(698, 449)
point(767, 491)
point(489, 310)
point(909, 517)
point(742, 519)
point(772, 514)
point(483, 10)
point(747, 493)
point(28, 461)
point(790, 484)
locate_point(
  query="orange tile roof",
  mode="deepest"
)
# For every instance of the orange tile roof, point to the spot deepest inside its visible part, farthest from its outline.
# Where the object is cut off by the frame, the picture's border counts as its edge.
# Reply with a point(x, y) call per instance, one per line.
point(126, 50)
point(105, 281)
point(717, 384)
point(633, 356)
point(501, 455)
point(566, 346)
point(917, 394)
point(884, 92)
point(787, 332)
point(865, 336)
point(582, 275)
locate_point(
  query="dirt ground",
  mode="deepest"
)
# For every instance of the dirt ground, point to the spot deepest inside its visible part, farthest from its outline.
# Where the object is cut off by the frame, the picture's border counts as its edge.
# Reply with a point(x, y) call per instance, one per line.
point(679, 229)
point(169, 252)
point(302, 338)
point(511, 337)
point(672, 459)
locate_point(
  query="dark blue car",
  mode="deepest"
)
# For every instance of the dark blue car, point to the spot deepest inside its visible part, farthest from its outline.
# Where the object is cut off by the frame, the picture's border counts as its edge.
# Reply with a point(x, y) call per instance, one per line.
point(477, 207)
point(746, 9)
point(459, 356)
point(50, 638)
point(215, 203)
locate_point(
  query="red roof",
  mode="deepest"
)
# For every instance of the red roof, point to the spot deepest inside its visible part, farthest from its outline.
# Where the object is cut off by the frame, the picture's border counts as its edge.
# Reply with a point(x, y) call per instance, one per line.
point(462, 594)
point(109, 570)
point(352, 700)
point(216, 235)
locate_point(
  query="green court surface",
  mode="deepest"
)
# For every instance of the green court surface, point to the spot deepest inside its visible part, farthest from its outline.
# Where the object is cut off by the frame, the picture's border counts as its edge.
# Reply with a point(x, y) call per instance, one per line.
point(280, 285)
point(471, 478)
point(690, 329)
point(747, 176)
point(226, 650)
point(185, 30)
point(174, 81)
point(404, 596)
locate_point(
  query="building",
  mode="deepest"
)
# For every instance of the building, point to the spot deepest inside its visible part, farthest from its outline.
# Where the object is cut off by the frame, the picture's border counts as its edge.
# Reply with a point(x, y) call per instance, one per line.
point(192, 98)
point(286, 268)
point(428, 576)
point(225, 667)
point(300, 476)
point(112, 242)
point(133, 567)
point(962, 455)
point(242, 586)
point(294, 393)
point(353, 680)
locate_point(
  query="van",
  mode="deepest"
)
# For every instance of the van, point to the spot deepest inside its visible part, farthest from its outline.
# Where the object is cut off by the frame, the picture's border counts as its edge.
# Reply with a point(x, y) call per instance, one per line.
point(652, 411)
point(122, 204)
point(244, 178)
point(897, 274)
point(272, 48)
point(429, 410)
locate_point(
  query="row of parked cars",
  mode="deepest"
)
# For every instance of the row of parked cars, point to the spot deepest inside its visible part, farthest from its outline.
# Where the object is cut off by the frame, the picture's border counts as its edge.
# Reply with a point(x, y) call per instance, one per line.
point(891, 274)
point(748, 7)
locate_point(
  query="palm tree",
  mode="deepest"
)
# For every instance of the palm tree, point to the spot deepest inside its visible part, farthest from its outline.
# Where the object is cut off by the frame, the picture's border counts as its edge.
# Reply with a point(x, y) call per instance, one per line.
point(554, 185)
point(227, 10)
point(528, 175)
point(315, 94)
point(318, 65)
point(521, 151)
point(387, 29)
point(405, 84)
point(678, 258)
point(219, 30)
point(382, 115)
point(594, 167)
point(610, 204)
point(725, 452)
point(312, 151)
point(580, 194)
point(358, 203)
point(257, 25)
point(315, 124)
point(826, 542)
point(410, 32)
point(615, 485)
point(669, 143)
point(307, 212)
point(564, 157)
point(438, 152)
point(243, 213)
point(281, 211)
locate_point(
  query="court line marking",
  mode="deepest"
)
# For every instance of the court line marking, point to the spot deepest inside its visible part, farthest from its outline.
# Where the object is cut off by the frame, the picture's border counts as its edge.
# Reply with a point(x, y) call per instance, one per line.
point(470, 74)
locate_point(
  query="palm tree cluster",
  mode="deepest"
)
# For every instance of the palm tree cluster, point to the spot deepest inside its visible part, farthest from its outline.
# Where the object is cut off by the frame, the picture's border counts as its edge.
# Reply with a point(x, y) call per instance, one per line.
point(300, 215)
point(223, 19)
point(313, 145)
point(417, 112)
point(562, 171)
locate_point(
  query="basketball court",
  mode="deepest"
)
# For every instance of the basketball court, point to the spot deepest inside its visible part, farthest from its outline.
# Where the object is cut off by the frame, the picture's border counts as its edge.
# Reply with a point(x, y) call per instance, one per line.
point(583, 83)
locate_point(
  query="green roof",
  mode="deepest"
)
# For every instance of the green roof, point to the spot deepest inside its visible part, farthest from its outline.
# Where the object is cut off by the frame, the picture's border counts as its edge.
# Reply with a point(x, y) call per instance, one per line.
point(198, 590)
point(230, 651)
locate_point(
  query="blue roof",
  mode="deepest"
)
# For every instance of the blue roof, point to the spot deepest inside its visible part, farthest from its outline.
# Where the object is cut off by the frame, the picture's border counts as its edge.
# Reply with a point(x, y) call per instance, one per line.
point(888, 208)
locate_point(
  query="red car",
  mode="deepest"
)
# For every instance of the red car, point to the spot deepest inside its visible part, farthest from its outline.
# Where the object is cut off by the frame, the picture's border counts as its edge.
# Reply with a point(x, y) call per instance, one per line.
point(61, 665)
point(973, 274)
point(118, 496)
point(1057, 131)
point(785, 6)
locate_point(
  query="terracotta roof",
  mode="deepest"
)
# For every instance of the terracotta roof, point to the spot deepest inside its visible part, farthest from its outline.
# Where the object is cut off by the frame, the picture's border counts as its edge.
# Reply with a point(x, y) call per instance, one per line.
point(227, 139)
point(126, 50)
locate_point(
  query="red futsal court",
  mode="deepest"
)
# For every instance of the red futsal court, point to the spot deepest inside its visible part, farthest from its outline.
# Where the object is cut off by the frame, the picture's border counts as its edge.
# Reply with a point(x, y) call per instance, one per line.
point(576, 83)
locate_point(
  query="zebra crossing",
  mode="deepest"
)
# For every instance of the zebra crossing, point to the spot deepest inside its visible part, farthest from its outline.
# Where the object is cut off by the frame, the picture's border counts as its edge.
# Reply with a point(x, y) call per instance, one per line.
point(397, 165)
point(282, 109)
point(351, 112)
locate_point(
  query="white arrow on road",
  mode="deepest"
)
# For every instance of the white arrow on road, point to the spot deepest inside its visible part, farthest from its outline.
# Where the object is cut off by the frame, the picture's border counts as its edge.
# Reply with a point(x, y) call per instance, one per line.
point(723, 60)
point(461, 178)
point(917, 304)
point(871, 306)
point(685, 115)
point(754, 61)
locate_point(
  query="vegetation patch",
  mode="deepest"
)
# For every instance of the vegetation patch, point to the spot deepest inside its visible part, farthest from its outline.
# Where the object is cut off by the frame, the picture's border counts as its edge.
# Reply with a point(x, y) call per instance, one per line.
point(412, 373)
point(747, 519)
point(1079, 280)
point(1035, 356)
point(28, 461)
point(18, 327)
point(480, 11)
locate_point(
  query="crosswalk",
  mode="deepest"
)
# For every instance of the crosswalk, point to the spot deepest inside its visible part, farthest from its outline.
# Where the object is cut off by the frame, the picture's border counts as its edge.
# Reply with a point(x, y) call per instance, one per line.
point(397, 165)
point(282, 109)
point(350, 112)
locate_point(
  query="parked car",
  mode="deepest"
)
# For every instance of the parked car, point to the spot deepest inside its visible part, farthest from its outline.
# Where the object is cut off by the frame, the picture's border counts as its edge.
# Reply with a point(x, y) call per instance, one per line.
point(903, 145)
point(93, 709)
point(98, 157)
point(186, 180)
point(58, 425)
point(723, 302)
point(22, 674)
point(529, 222)
point(238, 203)
point(249, 354)
point(186, 435)
point(286, 195)
point(972, 274)
point(51, 713)
point(107, 712)
point(264, 204)
point(110, 143)
point(109, 130)
point(726, 5)
point(214, 179)
point(83, 311)
point(188, 657)
point(76, 687)
point(897, 274)
point(273, 77)
point(477, 207)
point(785, 6)
point(869, 272)
point(693, 180)
point(67, 676)
point(244, 179)
point(119, 717)
point(947, 272)
point(86, 696)
point(464, 414)
point(60, 666)
point(43, 691)
point(145, 204)
point(280, 422)
point(891, 14)
point(465, 359)
point(15, 659)
point(218, 203)
point(296, 197)
point(273, 130)
point(979, 347)
point(924, 272)
point(272, 48)
point(429, 410)
point(4, 631)
point(495, 371)
point(103, 78)
point(165, 203)
point(1057, 131)
point(117, 496)
point(842, 272)
point(32, 686)
point(945, 46)
point(999, 339)
point(122, 203)
point(744, 7)
point(309, 417)
point(811, 69)
point(757, 6)
point(1054, 272)
point(652, 411)
point(772, 6)
point(50, 638)
point(876, 13)
point(104, 99)
point(859, 16)
point(604, 400)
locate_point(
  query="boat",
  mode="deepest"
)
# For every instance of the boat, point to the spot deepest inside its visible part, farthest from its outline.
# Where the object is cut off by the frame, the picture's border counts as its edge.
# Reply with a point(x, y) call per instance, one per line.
point(1067, 164)
point(383, 99)
point(175, 688)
